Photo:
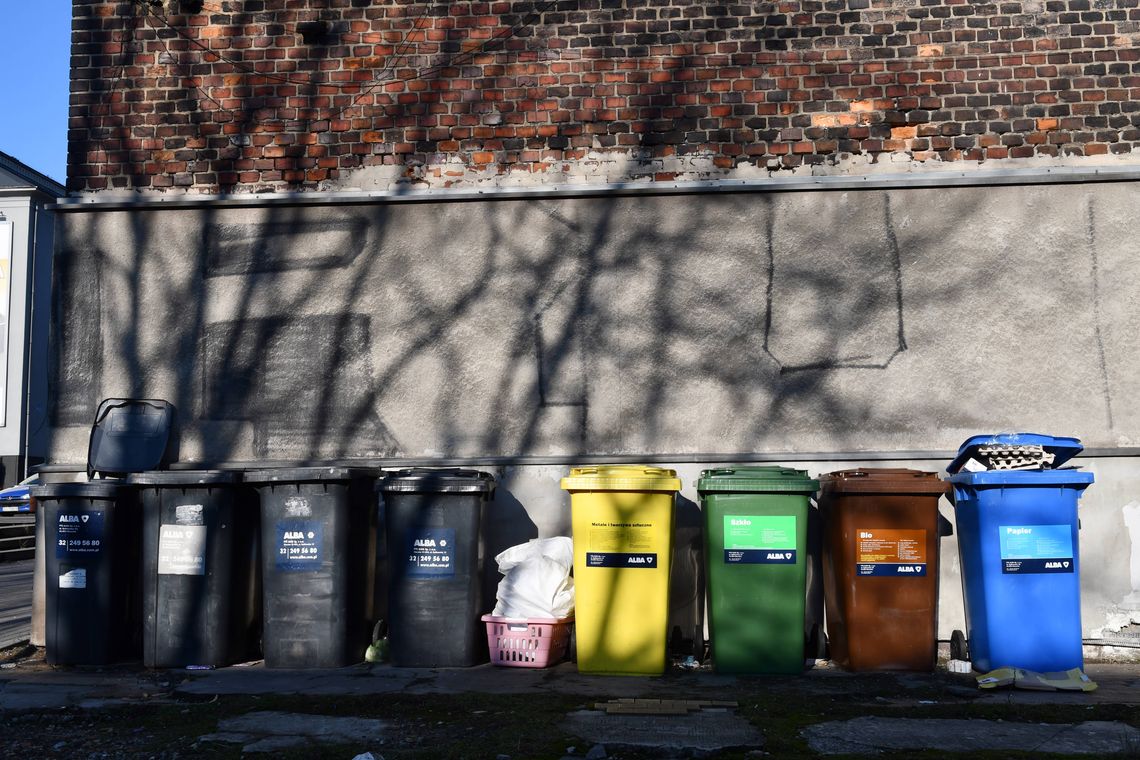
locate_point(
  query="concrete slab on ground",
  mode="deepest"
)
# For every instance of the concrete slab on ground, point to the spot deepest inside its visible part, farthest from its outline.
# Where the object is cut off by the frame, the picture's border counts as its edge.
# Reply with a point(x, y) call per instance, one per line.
point(270, 731)
point(876, 734)
point(710, 730)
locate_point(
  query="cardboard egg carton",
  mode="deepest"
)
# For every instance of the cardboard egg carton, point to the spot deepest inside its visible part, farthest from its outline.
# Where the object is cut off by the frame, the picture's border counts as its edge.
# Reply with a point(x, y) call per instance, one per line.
point(1006, 457)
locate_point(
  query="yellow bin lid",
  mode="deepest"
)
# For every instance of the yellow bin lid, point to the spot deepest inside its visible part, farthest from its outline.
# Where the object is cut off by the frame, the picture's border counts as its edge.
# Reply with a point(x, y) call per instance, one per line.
point(621, 477)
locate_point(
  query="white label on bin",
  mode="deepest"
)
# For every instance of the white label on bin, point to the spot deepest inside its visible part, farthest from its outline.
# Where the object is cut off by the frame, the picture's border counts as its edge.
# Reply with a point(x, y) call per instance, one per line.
point(298, 506)
point(1036, 549)
point(79, 533)
point(75, 577)
point(430, 552)
point(881, 552)
point(182, 550)
point(298, 545)
point(188, 514)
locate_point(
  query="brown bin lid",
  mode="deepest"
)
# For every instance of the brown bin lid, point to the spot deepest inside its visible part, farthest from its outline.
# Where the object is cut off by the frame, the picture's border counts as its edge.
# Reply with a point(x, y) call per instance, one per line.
point(884, 480)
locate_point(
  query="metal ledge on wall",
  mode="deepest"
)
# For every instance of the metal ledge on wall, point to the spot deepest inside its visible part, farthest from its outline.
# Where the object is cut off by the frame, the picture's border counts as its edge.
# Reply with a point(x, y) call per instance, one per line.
point(115, 201)
point(56, 471)
point(944, 457)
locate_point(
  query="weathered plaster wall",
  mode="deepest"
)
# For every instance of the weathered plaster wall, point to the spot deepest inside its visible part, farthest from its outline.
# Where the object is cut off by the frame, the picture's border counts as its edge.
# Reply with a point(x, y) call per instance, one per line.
point(816, 321)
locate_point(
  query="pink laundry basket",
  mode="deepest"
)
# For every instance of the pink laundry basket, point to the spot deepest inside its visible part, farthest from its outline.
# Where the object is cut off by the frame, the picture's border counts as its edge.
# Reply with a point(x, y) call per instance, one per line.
point(527, 642)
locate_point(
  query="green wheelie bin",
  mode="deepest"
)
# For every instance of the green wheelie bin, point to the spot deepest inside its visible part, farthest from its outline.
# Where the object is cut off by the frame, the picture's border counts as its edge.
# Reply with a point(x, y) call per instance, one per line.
point(756, 549)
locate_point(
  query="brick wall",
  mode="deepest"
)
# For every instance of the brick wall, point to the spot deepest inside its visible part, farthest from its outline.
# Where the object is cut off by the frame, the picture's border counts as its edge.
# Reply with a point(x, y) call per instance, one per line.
point(220, 95)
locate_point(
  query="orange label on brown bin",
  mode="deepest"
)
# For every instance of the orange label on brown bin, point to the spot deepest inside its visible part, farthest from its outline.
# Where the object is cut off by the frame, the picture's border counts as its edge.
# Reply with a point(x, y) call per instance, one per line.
point(896, 553)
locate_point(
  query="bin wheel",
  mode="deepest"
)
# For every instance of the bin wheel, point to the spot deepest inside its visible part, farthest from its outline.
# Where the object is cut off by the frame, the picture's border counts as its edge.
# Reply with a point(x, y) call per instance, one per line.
point(958, 648)
point(816, 643)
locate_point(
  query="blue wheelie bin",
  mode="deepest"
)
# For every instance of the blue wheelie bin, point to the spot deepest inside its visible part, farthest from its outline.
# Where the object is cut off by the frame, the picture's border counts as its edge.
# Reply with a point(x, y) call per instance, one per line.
point(1018, 544)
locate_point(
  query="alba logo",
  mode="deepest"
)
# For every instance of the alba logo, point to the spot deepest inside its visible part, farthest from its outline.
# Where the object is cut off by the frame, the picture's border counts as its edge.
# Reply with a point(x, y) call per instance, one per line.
point(778, 555)
point(69, 518)
point(1056, 565)
point(907, 569)
point(294, 535)
point(424, 543)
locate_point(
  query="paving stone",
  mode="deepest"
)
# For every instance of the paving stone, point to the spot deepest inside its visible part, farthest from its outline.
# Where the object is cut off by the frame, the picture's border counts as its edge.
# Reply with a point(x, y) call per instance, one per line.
point(874, 734)
point(272, 731)
point(691, 735)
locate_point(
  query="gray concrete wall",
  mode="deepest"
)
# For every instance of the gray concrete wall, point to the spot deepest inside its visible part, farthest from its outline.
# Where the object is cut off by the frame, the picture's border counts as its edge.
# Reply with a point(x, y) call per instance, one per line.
point(833, 321)
point(825, 321)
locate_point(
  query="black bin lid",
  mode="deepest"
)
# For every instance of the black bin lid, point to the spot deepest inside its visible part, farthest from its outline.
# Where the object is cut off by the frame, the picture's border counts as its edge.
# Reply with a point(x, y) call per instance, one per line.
point(98, 489)
point(183, 478)
point(287, 475)
point(448, 480)
point(130, 435)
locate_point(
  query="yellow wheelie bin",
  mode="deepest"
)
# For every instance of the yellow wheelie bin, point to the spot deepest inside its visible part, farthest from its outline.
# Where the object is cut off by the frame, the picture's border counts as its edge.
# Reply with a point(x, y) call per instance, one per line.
point(622, 518)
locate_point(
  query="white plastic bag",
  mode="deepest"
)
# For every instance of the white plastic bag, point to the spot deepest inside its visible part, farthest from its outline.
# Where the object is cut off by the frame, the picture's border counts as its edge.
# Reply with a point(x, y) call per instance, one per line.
point(536, 579)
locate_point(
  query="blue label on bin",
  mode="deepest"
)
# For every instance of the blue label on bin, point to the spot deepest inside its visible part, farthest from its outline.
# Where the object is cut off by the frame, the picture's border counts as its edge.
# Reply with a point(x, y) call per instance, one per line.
point(621, 559)
point(79, 534)
point(892, 569)
point(430, 553)
point(759, 557)
point(298, 545)
point(1036, 549)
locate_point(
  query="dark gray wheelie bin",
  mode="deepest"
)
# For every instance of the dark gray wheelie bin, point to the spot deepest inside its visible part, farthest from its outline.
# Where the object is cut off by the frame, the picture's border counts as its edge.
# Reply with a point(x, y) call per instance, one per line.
point(201, 590)
point(318, 541)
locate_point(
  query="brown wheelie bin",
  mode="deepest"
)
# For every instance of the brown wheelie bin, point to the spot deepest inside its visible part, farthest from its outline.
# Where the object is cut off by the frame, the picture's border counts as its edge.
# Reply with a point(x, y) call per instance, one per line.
point(880, 567)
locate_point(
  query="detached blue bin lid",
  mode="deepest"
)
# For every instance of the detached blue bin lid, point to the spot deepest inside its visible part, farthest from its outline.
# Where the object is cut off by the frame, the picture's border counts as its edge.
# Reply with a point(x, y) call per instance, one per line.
point(1062, 448)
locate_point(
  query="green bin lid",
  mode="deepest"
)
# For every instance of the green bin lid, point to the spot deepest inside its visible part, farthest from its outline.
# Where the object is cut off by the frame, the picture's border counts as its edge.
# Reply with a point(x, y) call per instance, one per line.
point(883, 480)
point(621, 477)
point(756, 479)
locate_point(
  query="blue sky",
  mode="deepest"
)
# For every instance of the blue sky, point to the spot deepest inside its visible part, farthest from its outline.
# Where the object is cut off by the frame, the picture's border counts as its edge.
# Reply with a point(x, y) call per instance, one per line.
point(35, 45)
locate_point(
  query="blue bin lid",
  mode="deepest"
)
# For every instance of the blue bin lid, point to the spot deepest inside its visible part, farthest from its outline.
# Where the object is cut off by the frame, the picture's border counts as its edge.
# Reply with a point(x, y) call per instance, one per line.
point(1066, 477)
point(1062, 448)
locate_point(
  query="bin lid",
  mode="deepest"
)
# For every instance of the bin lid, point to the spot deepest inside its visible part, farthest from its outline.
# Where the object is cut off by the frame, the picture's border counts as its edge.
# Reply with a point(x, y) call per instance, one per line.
point(883, 480)
point(446, 480)
point(130, 435)
point(177, 478)
point(306, 474)
point(621, 477)
point(1062, 448)
point(756, 479)
point(95, 489)
point(1067, 476)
